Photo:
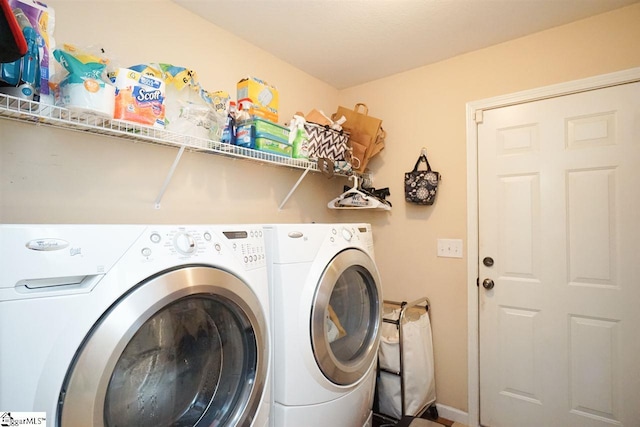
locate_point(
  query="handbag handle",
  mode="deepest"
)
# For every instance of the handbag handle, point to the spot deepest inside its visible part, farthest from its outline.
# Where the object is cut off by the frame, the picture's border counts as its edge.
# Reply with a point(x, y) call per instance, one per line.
point(422, 158)
point(364, 107)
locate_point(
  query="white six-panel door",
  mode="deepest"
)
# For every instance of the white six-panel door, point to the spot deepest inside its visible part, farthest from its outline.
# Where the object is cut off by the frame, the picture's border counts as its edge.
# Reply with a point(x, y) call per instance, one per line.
point(559, 217)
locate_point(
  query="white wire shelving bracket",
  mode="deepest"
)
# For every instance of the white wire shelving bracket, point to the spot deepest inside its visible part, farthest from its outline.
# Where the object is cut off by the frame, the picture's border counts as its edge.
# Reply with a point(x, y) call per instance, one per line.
point(42, 114)
point(306, 171)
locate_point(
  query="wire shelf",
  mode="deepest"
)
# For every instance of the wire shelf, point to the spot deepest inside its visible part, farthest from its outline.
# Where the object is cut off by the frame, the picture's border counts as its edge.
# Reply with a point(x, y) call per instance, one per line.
point(34, 112)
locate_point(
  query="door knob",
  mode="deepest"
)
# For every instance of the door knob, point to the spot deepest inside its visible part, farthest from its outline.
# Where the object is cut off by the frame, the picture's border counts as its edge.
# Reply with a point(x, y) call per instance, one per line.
point(488, 284)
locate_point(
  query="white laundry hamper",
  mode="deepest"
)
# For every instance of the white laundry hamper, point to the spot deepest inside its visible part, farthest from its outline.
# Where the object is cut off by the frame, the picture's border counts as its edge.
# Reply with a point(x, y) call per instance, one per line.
point(406, 383)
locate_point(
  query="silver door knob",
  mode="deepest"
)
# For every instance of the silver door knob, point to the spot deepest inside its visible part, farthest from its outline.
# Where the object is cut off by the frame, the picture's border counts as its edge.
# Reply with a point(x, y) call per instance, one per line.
point(488, 284)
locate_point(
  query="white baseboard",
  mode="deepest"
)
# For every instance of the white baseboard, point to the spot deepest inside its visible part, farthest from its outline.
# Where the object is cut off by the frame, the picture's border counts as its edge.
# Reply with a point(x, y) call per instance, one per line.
point(453, 414)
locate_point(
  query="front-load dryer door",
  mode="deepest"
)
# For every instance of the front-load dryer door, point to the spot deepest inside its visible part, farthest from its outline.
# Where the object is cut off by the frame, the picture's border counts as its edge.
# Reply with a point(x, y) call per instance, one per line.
point(185, 348)
point(346, 316)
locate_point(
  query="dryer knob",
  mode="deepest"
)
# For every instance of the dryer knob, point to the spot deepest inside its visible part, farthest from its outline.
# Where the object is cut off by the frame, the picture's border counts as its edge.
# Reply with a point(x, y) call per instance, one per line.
point(347, 235)
point(185, 243)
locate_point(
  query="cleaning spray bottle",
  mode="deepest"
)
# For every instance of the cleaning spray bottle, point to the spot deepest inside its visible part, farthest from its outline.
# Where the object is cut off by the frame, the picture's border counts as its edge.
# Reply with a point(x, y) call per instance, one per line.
point(298, 137)
point(229, 131)
point(21, 78)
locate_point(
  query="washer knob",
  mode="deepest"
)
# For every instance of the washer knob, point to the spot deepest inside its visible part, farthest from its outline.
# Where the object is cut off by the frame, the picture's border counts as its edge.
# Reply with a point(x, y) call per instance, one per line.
point(185, 243)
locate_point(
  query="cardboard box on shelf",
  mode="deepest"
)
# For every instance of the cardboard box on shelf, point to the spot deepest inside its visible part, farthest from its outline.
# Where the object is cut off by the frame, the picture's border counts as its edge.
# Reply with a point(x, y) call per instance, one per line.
point(259, 98)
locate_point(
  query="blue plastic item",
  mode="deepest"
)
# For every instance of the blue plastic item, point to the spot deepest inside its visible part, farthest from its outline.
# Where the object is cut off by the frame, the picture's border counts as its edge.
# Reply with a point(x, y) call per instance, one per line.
point(24, 73)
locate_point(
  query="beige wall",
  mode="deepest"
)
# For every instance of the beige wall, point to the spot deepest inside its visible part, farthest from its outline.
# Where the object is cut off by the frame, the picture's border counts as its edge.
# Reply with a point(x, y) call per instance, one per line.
point(50, 175)
point(425, 107)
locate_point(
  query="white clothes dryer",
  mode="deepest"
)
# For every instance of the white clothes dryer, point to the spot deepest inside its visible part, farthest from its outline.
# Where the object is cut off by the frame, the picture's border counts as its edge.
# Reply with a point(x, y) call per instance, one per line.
point(326, 315)
point(133, 325)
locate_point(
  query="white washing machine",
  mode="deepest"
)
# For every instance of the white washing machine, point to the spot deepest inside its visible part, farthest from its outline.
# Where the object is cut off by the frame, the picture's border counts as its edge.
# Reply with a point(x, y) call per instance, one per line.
point(326, 314)
point(133, 325)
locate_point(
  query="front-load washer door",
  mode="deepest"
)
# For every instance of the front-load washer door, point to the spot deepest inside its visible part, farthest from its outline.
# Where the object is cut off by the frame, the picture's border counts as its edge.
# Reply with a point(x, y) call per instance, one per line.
point(186, 348)
point(346, 316)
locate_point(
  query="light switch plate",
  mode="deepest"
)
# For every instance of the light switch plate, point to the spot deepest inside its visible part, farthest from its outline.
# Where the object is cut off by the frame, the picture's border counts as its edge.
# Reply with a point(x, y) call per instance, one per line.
point(450, 248)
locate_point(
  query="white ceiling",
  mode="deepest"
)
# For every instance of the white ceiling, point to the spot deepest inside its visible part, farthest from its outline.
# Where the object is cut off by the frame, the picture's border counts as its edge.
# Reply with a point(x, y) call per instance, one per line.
point(349, 42)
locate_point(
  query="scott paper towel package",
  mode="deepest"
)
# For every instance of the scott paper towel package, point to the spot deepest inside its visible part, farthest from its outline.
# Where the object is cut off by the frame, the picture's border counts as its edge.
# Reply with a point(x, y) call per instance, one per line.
point(140, 98)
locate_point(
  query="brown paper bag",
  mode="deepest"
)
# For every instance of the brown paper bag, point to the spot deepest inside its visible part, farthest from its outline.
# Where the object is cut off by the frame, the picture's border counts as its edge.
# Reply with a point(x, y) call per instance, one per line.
point(316, 116)
point(358, 151)
point(379, 142)
point(359, 119)
point(359, 123)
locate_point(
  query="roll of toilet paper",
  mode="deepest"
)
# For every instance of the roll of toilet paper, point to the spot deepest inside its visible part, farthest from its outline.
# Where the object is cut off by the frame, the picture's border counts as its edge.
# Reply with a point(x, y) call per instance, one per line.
point(89, 97)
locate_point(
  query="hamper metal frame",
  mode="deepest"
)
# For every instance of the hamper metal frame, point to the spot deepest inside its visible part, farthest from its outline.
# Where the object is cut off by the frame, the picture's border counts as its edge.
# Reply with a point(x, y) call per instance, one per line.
point(422, 303)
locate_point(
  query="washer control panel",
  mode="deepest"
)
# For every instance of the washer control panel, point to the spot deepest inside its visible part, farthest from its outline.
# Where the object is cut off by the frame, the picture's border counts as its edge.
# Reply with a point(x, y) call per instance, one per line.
point(248, 245)
point(185, 243)
point(204, 244)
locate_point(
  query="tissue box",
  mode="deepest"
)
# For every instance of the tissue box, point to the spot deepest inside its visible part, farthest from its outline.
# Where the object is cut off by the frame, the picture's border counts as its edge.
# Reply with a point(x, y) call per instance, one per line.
point(259, 98)
point(139, 98)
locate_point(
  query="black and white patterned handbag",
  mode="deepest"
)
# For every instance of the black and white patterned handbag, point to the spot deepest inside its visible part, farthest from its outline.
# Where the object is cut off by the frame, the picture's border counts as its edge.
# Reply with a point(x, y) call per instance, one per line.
point(420, 186)
point(326, 143)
